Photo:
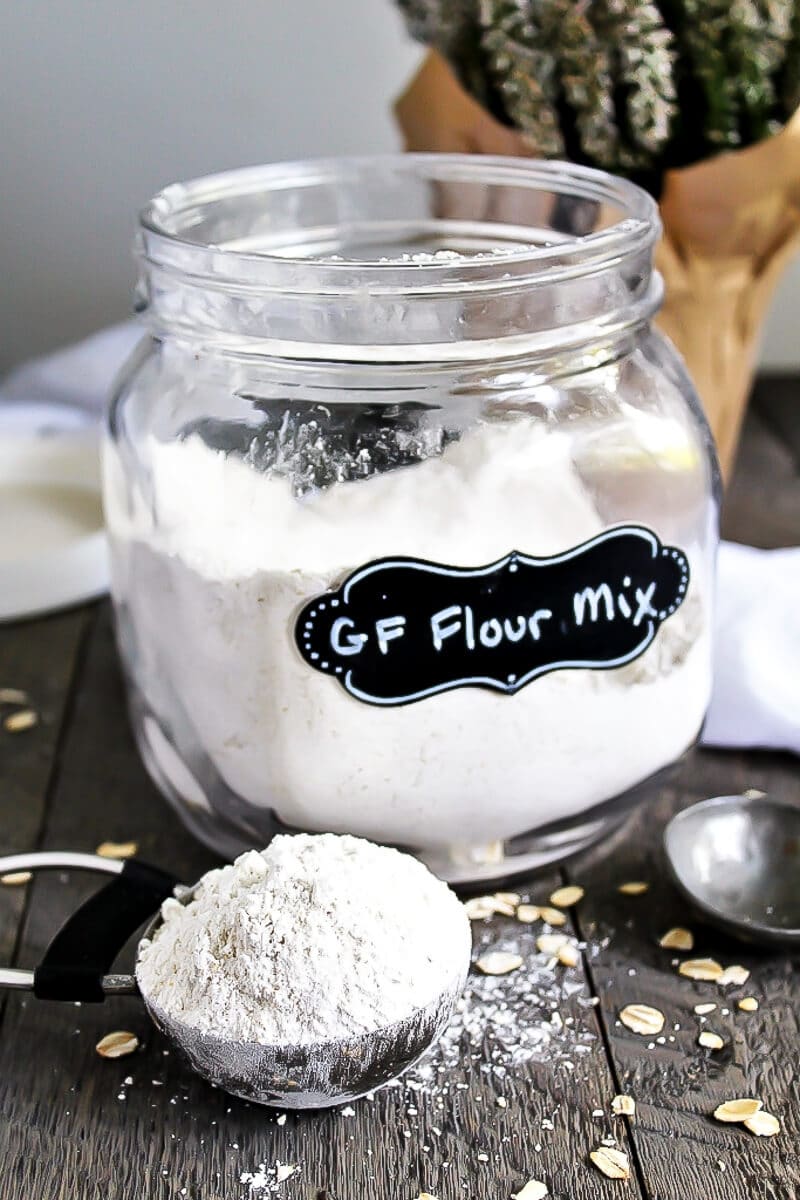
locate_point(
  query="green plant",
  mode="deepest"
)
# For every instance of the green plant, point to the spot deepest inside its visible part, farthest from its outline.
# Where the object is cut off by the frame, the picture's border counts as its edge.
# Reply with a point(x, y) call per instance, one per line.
point(634, 86)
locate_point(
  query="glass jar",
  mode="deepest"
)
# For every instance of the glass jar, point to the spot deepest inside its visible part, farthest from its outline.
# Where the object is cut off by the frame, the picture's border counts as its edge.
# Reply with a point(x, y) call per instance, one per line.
point(412, 514)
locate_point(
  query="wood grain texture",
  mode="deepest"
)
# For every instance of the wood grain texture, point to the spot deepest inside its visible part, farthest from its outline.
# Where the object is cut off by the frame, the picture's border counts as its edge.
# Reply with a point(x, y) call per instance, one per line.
point(72, 1127)
point(777, 400)
point(677, 1085)
point(40, 658)
point(762, 503)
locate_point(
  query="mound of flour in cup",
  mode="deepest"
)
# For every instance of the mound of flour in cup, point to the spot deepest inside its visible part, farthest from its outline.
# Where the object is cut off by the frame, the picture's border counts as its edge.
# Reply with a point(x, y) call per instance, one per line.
point(315, 939)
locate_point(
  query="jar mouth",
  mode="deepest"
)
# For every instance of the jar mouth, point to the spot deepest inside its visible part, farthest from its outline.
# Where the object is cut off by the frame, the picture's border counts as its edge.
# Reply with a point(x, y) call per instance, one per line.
point(398, 250)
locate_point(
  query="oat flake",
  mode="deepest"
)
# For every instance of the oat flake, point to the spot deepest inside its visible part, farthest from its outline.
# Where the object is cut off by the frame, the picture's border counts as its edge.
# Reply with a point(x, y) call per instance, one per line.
point(18, 722)
point(550, 943)
point(480, 907)
point(117, 1044)
point(677, 939)
point(700, 968)
point(735, 975)
point(16, 878)
point(613, 1163)
point(499, 962)
point(117, 849)
point(565, 897)
point(641, 1018)
point(528, 913)
point(623, 1106)
point(534, 1189)
point(762, 1124)
point(553, 916)
point(569, 955)
point(737, 1110)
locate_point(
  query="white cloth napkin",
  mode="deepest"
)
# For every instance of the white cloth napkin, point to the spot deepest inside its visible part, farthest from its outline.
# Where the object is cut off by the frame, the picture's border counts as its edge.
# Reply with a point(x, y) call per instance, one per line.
point(756, 700)
point(756, 697)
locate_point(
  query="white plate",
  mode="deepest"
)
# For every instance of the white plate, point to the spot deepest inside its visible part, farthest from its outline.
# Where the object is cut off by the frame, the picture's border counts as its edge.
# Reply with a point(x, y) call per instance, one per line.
point(53, 551)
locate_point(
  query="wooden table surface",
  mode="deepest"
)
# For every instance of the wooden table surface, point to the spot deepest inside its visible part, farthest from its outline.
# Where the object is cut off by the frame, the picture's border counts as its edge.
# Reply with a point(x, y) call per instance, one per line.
point(75, 1125)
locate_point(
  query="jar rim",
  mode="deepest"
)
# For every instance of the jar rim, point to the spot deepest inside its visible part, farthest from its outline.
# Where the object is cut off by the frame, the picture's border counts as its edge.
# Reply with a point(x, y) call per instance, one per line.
point(263, 253)
point(173, 212)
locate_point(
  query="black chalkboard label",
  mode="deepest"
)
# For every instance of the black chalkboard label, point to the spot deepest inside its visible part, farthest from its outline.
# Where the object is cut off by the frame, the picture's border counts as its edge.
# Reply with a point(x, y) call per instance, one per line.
point(401, 629)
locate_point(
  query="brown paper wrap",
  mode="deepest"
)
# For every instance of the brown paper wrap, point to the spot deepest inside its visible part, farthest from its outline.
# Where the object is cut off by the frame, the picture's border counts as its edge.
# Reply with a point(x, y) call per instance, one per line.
point(730, 226)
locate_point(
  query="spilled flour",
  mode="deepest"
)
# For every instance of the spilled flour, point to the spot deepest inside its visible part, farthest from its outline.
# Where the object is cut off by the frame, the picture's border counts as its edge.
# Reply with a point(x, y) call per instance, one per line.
point(506, 1022)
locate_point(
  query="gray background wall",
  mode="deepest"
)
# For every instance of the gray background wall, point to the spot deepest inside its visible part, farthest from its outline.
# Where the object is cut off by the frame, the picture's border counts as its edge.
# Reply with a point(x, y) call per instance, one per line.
point(102, 102)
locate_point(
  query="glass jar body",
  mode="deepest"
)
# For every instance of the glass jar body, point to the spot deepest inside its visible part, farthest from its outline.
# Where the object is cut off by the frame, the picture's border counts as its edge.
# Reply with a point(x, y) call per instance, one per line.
point(241, 490)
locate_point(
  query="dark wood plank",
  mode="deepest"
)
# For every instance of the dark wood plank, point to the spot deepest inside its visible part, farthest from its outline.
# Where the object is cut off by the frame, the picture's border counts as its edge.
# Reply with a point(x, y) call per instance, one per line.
point(102, 793)
point(40, 658)
point(65, 1129)
point(777, 399)
point(762, 503)
point(677, 1085)
point(71, 1125)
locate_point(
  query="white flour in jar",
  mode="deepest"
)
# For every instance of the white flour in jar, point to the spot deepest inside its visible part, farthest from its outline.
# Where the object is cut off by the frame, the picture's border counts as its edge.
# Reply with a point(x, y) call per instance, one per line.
point(213, 587)
point(315, 939)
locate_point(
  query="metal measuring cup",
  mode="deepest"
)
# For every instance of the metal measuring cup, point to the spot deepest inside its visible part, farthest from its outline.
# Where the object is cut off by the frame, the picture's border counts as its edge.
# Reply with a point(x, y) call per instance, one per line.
point(737, 860)
point(318, 1075)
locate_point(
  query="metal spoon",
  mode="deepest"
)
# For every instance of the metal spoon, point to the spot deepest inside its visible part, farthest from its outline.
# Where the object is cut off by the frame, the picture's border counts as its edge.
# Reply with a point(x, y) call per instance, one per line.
point(288, 1076)
point(737, 859)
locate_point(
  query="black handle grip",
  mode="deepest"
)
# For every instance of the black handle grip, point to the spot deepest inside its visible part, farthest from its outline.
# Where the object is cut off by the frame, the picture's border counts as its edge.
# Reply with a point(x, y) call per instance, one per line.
point(84, 948)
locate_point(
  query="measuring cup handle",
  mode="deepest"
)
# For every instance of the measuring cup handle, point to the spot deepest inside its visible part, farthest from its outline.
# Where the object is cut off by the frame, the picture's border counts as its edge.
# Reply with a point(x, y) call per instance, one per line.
point(76, 963)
